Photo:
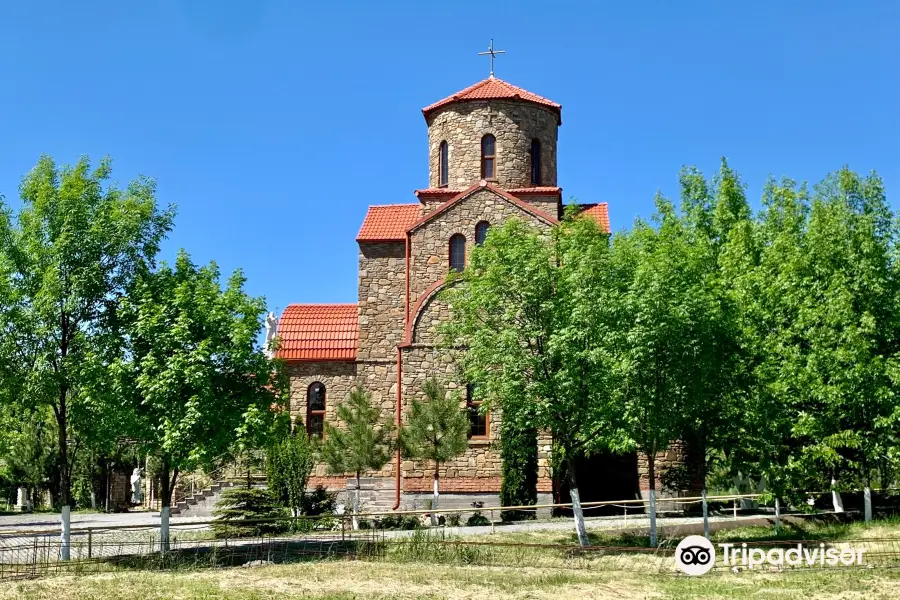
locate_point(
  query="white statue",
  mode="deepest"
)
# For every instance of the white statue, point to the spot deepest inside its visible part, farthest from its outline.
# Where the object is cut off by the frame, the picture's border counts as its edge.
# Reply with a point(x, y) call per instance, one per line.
point(271, 328)
point(137, 489)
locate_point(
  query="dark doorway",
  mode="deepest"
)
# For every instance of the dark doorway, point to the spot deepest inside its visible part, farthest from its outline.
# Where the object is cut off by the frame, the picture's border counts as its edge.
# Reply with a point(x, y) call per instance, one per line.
point(603, 477)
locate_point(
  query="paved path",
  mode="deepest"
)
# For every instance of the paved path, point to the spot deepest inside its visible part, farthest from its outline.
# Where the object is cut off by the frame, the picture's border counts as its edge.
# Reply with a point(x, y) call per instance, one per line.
point(38, 521)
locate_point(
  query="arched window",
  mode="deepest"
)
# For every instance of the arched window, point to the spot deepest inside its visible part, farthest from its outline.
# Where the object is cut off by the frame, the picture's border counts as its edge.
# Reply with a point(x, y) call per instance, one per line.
point(535, 162)
point(488, 157)
point(479, 423)
point(444, 166)
point(315, 409)
point(457, 252)
point(481, 232)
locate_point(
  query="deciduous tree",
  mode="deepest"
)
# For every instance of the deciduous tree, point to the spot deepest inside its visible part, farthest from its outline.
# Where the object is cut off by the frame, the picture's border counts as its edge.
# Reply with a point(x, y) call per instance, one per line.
point(192, 370)
point(536, 315)
point(68, 257)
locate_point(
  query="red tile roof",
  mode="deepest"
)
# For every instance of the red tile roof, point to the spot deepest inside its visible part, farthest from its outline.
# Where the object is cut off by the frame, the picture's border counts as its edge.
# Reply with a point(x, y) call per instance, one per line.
point(388, 222)
point(598, 212)
point(493, 89)
point(311, 332)
point(540, 190)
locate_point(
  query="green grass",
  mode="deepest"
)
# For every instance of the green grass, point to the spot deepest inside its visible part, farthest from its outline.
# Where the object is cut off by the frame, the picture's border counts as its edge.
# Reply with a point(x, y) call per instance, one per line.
point(359, 580)
point(424, 567)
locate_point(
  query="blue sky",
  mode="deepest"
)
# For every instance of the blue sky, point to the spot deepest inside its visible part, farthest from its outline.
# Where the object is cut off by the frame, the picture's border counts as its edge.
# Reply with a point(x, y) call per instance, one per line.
point(274, 124)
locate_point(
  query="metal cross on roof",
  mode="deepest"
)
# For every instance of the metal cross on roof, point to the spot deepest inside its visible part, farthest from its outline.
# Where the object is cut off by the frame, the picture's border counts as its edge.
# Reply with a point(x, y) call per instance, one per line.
point(493, 54)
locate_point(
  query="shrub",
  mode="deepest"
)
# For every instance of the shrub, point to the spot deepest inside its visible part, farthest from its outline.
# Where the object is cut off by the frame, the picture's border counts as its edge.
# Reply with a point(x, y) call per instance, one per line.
point(477, 519)
point(318, 502)
point(404, 522)
point(237, 506)
point(518, 450)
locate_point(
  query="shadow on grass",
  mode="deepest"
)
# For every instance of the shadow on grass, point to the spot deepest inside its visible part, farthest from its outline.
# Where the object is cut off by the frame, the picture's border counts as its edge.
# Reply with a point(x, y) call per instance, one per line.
point(244, 552)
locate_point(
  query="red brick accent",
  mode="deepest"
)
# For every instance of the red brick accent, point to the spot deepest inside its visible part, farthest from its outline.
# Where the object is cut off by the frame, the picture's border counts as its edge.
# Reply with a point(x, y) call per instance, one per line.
point(329, 483)
point(465, 484)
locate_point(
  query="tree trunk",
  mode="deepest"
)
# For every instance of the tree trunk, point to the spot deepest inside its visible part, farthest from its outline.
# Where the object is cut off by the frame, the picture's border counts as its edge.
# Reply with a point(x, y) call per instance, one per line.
point(435, 496)
point(651, 472)
point(356, 504)
point(167, 484)
point(576, 502)
point(61, 424)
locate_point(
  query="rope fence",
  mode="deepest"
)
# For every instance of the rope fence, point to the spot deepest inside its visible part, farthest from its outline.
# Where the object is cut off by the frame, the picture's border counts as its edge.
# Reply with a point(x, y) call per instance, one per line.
point(29, 552)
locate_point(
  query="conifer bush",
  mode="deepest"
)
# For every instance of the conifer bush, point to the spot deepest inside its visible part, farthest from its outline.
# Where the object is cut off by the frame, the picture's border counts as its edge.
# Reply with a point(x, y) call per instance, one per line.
point(242, 512)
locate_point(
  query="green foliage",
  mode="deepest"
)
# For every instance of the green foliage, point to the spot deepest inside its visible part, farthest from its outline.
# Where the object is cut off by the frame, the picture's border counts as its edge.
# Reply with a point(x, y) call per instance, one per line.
point(70, 254)
point(536, 315)
point(289, 462)
point(518, 451)
point(318, 502)
point(238, 507)
point(436, 427)
point(32, 456)
point(477, 519)
point(402, 522)
point(191, 370)
point(670, 359)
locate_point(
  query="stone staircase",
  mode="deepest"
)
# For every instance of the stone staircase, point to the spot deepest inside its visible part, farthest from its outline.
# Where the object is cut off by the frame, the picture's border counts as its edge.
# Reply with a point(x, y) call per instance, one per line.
point(202, 503)
point(376, 494)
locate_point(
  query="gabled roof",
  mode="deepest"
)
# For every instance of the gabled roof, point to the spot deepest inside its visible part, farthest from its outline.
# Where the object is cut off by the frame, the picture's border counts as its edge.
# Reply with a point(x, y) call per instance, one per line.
point(312, 332)
point(598, 212)
point(494, 89)
point(388, 223)
point(474, 188)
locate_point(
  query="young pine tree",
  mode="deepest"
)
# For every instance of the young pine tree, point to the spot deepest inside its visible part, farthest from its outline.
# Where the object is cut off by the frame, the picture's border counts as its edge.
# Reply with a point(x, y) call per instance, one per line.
point(364, 442)
point(436, 430)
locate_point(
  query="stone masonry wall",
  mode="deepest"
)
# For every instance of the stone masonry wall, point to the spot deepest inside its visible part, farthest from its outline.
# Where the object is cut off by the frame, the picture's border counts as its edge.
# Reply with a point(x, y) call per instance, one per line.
point(514, 125)
point(382, 299)
point(478, 469)
point(430, 244)
point(339, 377)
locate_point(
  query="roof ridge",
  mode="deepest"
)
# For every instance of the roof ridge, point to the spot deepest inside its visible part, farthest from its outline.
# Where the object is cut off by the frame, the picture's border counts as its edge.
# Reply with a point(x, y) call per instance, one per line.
point(323, 304)
point(398, 204)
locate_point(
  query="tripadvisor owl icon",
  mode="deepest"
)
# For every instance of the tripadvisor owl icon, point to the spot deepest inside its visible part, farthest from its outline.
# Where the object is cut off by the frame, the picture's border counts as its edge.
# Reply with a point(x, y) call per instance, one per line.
point(695, 555)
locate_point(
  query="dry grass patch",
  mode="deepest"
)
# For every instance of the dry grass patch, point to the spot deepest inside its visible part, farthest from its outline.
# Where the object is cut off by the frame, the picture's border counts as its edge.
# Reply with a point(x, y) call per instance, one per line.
point(333, 580)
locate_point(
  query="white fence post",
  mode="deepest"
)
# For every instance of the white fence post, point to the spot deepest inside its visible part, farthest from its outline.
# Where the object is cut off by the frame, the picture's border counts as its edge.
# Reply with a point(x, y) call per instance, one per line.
point(653, 518)
point(867, 496)
point(65, 541)
point(777, 515)
point(164, 529)
point(705, 514)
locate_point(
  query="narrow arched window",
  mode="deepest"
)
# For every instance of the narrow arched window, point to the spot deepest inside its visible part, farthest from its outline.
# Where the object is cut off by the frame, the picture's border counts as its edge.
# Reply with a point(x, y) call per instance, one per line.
point(535, 162)
point(457, 253)
point(315, 409)
point(444, 166)
point(481, 232)
point(479, 422)
point(488, 157)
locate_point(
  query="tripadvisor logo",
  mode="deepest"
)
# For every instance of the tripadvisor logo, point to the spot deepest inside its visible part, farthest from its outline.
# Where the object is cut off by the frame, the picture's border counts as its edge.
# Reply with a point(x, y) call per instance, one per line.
point(696, 555)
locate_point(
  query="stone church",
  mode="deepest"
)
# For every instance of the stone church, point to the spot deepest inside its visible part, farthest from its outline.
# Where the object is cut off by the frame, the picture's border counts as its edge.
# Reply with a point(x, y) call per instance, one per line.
point(492, 155)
